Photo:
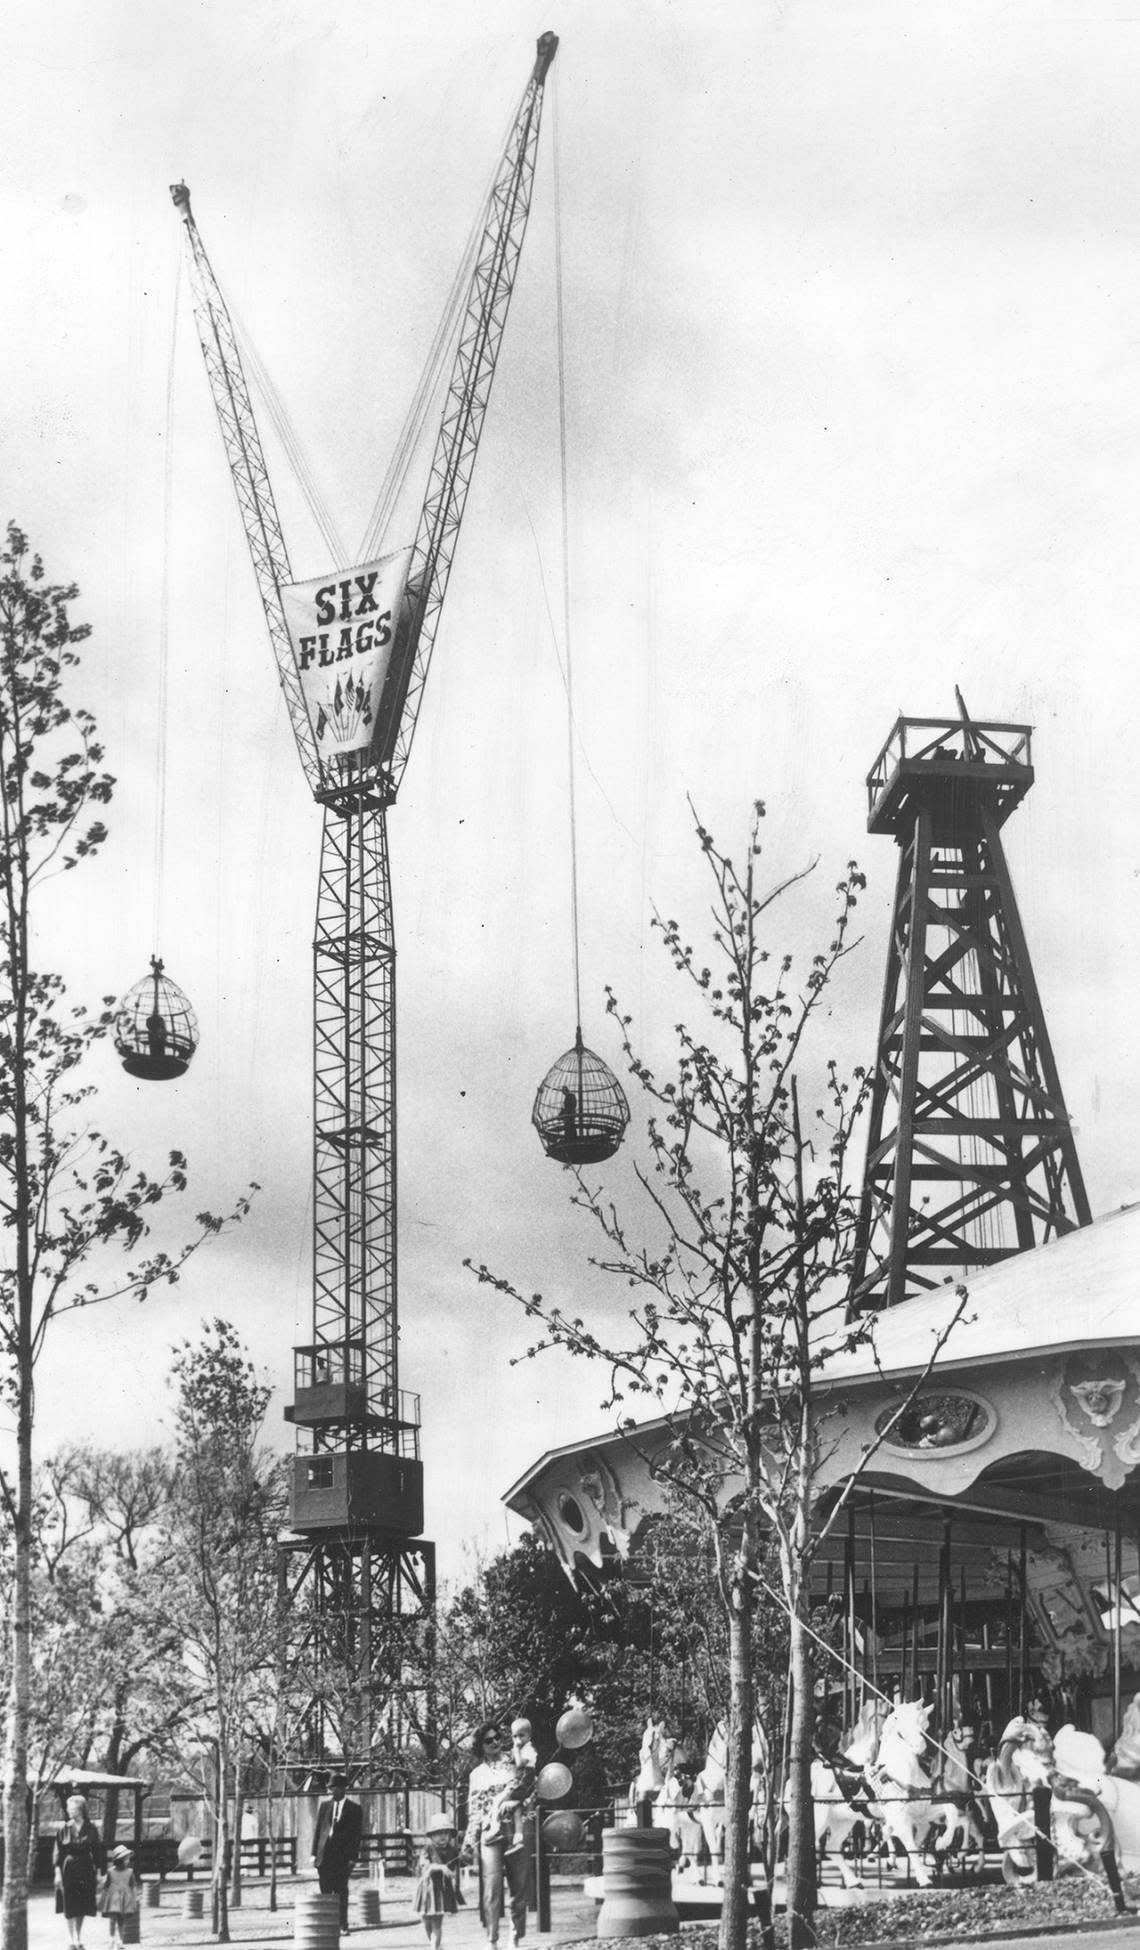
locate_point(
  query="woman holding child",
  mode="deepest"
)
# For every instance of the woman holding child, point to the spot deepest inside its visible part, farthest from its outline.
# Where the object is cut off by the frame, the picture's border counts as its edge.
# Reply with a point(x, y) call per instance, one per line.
point(500, 1781)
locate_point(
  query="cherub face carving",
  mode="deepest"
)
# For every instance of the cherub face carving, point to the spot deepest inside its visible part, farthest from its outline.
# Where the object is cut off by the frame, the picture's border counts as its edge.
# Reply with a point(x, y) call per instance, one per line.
point(1097, 1384)
point(1100, 1400)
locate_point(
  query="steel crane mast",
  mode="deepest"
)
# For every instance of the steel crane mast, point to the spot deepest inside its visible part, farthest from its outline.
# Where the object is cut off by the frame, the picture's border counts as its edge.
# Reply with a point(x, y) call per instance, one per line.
point(355, 1566)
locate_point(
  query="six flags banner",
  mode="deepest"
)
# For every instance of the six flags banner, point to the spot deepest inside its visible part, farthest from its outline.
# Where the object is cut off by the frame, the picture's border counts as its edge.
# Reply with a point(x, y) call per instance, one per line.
point(343, 629)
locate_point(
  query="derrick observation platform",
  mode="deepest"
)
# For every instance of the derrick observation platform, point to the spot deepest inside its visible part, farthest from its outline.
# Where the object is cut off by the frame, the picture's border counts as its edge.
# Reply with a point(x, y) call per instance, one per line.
point(950, 768)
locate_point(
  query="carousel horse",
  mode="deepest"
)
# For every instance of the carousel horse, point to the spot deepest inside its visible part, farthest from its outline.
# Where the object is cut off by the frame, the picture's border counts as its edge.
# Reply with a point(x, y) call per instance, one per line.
point(655, 1766)
point(860, 1743)
point(845, 1770)
point(896, 1792)
point(708, 1790)
point(1023, 1761)
point(1083, 1772)
point(673, 1810)
point(1124, 1760)
point(961, 1831)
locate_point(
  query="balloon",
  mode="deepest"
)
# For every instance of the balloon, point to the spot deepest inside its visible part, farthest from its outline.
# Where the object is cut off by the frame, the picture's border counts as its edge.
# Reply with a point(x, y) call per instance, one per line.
point(564, 1830)
point(553, 1782)
point(574, 1728)
point(189, 1849)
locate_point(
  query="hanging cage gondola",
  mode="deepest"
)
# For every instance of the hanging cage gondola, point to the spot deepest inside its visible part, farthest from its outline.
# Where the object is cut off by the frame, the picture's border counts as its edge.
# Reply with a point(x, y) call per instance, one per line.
point(156, 1030)
point(580, 1109)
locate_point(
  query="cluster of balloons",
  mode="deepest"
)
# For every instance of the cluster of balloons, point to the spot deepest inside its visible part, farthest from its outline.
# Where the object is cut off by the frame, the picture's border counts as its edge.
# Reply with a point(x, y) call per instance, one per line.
point(564, 1830)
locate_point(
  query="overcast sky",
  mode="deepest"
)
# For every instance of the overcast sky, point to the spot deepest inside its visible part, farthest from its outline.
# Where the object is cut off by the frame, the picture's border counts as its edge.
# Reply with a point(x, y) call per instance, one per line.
point(853, 406)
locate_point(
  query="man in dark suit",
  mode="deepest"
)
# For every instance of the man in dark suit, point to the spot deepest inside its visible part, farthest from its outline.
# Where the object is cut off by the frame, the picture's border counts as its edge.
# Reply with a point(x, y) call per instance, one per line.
point(336, 1842)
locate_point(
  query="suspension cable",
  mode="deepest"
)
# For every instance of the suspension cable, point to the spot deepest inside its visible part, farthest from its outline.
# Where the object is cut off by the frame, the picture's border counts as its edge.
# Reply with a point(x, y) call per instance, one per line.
point(566, 570)
point(440, 355)
point(164, 627)
point(302, 468)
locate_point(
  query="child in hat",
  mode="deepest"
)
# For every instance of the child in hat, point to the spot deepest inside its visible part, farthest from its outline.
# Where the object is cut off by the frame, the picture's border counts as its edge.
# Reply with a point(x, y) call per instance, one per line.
point(437, 1886)
point(119, 1895)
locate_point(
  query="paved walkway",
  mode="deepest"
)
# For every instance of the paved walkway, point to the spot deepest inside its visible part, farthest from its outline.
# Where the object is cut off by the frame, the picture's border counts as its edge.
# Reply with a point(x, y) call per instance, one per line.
point(572, 1915)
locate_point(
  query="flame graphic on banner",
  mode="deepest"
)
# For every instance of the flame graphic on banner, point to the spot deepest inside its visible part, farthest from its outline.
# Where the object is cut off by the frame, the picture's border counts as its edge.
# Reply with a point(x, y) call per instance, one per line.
point(349, 713)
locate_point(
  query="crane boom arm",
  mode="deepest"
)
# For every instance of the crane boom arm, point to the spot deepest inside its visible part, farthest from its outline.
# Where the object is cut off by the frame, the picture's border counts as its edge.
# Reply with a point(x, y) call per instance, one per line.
point(248, 473)
point(469, 389)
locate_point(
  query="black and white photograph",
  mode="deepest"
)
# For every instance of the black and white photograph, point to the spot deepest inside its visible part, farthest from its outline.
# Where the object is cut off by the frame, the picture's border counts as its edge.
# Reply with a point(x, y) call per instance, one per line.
point(569, 923)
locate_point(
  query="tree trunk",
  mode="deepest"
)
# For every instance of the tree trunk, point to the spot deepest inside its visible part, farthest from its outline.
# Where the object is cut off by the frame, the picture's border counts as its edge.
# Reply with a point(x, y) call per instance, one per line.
point(736, 1895)
point(14, 1903)
point(33, 1833)
point(220, 1918)
point(800, 1867)
point(235, 1871)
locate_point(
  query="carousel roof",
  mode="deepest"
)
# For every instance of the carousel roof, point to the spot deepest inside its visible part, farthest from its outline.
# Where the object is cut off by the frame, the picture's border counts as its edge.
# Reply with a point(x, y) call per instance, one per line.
point(1080, 1291)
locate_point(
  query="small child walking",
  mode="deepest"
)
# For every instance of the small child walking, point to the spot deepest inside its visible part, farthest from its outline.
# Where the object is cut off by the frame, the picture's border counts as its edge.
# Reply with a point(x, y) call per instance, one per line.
point(437, 1886)
point(119, 1895)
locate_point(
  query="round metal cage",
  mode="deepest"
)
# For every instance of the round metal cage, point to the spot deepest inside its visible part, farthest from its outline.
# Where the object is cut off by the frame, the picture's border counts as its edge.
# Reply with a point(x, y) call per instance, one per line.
point(156, 1030)
point(580, 1110)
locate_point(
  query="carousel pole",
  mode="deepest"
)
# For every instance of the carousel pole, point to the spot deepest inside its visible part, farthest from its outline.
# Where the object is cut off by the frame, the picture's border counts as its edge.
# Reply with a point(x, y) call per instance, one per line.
point(987, 1670)
point(1023, 1623)
point(826, 1702)
point(874, 1625)
point(914, 1682)
point(851, 1707)
point(1009, 1706)
point(945, 1651)
point(1118, 1634)
point(962, 1639)
point(904, 1647)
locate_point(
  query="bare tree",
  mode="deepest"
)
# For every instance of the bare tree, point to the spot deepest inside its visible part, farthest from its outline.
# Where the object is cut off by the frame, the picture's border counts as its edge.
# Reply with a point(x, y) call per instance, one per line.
point(226, 1507)
point(72, 1204)
point(740, 1289)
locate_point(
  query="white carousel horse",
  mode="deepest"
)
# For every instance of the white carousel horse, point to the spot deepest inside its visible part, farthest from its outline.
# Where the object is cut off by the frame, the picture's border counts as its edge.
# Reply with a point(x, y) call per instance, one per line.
point(961, 1832)
point(1023, 1761)
point(1080, 1760)
point(671, 1810)
point(898, 1793)
point(655, 1766)
point(1124, 1761)
point(708, 1790)
point(861, 1741)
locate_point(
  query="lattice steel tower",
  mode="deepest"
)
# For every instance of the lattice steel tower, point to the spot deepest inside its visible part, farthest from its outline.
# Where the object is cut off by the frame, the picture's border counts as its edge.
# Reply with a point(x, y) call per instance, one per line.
point(970, 1154)
point(352, 651)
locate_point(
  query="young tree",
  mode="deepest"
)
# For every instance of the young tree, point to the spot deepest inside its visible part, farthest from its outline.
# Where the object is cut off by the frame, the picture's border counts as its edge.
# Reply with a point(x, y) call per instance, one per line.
point(751, 1227)
point(226, 1507)
point(72, 1204)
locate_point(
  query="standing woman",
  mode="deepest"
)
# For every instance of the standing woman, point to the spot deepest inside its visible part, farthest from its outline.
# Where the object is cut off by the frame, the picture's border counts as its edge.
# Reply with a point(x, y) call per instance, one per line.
point(77, 1861)
point(502, 1872)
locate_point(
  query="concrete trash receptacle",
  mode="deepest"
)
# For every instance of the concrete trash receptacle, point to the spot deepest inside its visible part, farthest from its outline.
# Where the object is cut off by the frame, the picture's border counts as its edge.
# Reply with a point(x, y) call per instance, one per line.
point(192, 1905)
point(316, 1920)
point(637, 1883)
point(129, 1925)
point(368, 1907)
point(152, 1893)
